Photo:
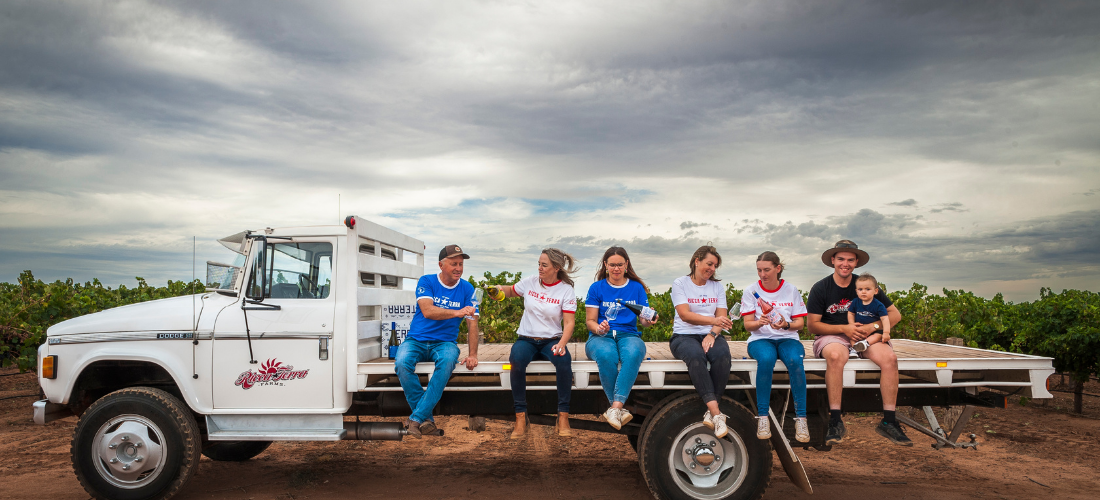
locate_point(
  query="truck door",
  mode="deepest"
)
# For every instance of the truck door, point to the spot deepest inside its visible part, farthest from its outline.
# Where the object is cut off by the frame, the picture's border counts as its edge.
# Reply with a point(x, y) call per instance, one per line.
point(290, 308)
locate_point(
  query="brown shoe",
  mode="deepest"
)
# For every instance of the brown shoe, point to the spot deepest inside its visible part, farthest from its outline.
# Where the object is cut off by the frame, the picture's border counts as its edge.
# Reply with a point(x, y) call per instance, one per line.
point(428, 428)
point(412, 427)
point(563, 425)
point(521, 426)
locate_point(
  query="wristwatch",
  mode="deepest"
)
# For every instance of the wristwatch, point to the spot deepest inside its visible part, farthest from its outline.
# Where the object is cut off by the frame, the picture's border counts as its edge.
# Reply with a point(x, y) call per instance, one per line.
point(878, 326)
point(713, 334)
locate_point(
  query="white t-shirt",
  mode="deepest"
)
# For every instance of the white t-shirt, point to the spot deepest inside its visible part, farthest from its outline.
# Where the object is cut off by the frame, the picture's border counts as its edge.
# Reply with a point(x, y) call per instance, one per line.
point(700, 300)
point(544, 307)
point(786, 300)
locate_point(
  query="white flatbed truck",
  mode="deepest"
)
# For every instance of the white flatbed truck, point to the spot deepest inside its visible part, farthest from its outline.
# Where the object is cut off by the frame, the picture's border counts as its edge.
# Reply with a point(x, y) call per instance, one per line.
point(290, 343)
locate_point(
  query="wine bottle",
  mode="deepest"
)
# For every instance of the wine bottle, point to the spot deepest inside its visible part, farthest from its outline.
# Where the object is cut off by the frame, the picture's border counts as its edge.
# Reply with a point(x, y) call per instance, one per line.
point(393, 341)
point(496, 294)
point(767, 312)
point(644, 312)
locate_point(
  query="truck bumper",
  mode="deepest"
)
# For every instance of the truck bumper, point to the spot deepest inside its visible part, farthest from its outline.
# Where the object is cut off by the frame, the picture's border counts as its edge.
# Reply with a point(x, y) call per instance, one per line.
point(45, 411)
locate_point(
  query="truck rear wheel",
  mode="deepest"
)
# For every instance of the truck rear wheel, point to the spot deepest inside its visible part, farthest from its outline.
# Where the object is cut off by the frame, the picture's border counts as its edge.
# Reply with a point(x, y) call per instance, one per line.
point(234, 451)
point(136, 443)
point(681, 459)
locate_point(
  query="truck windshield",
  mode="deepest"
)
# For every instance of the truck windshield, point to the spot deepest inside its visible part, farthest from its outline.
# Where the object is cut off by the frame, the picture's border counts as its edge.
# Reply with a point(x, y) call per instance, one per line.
point(297, 270)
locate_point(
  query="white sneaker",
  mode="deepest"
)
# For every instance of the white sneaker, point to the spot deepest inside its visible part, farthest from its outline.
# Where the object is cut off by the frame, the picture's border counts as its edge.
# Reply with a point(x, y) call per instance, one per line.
point(707, 420)
point(624, 416)
point(763, 429)
point(801, 430)
point(852, 353)
point(860, 346)
point(720, 429)
point(612, 417)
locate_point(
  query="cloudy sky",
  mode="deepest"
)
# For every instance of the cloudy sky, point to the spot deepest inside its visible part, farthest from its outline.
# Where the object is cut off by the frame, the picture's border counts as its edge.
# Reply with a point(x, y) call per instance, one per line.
point(957, 142)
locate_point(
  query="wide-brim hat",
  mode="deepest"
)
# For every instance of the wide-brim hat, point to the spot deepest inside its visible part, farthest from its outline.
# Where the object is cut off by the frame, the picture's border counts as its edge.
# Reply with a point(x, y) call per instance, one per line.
point(452, 251)
point(845, 246)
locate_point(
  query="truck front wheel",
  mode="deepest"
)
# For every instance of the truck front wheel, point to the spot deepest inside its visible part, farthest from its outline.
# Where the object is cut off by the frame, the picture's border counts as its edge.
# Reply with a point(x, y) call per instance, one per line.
point(681, 458)
point(235, 451)
point(136, 443)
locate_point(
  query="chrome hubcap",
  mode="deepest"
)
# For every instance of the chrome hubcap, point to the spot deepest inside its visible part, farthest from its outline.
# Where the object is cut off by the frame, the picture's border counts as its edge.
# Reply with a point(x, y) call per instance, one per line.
point(128, 451)
point(707, 467)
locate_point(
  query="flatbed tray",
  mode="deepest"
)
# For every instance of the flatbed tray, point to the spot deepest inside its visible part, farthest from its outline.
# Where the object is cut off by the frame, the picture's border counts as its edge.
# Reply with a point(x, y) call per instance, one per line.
point(921, 364)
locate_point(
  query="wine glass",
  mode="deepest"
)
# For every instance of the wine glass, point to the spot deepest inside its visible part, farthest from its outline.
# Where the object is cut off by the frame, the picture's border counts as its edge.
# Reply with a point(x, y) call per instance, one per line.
point(734, 314)
point(479, 296)
point(612, 311)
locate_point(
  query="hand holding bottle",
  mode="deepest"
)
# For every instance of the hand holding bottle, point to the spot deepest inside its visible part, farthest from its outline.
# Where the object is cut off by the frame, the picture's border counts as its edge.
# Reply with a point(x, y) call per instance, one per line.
point(766, 311)
point(646, 313)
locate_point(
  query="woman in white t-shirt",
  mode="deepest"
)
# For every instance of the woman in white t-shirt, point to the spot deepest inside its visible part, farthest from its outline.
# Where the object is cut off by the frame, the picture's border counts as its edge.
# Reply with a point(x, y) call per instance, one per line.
point(776, 338)
point(701, 315)
point(549, 304)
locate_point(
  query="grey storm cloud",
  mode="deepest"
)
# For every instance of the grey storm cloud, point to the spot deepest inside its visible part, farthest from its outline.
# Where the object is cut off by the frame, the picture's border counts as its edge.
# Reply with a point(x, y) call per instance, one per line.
point(948, 207)
point(490, 122)
point(689, 224)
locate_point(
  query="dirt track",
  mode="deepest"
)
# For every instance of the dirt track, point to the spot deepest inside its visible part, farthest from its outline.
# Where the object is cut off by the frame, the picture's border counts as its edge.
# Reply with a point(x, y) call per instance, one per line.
point(1032, 452)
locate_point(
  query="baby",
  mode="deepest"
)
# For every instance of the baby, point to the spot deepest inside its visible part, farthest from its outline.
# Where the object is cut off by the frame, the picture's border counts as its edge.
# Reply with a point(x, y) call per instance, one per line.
point(868, 310)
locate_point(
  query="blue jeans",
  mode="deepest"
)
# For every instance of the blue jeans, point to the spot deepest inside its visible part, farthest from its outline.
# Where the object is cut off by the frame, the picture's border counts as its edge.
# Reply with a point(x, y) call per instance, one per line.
point(524, 351)
point(765, 352)
point(608, 352)
point(443, 354)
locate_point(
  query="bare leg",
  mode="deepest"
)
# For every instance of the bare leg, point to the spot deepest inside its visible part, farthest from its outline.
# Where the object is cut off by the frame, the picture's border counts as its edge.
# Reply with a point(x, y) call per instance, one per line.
point(883, 355)
point(712, 406)
point(836, 356)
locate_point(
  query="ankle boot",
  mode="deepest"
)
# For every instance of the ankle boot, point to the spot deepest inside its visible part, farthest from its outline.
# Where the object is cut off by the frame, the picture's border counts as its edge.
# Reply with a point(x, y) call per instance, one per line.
point(563, 425)
point(521, 426)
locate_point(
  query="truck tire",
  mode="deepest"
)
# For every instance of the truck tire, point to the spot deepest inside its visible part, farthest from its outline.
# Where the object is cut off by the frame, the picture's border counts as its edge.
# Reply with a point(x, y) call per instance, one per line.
point(681, 459)
point(134, 444)
point(234, 451)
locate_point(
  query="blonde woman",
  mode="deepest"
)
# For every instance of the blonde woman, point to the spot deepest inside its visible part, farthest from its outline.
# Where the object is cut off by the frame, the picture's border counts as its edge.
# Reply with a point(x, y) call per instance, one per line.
point(549, 305)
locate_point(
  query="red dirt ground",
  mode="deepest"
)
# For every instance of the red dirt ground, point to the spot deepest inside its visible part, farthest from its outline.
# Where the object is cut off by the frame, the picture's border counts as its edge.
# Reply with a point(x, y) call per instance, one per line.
point(1031, 451)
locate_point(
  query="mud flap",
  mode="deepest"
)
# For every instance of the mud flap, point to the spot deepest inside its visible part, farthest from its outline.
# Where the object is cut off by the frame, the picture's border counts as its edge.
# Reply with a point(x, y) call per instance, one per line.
point(791, 464)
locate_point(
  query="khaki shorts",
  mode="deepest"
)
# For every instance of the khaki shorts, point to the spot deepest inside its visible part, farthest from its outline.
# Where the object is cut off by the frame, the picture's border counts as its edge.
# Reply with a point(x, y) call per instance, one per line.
point(823, 340)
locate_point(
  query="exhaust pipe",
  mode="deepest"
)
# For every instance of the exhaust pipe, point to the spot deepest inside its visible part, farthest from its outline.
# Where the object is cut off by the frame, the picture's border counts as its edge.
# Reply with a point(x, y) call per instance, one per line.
point(374, 431)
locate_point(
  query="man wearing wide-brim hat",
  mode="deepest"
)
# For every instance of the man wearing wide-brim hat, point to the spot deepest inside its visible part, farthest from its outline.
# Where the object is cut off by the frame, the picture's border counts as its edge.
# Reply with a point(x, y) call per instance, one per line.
point(828, 320)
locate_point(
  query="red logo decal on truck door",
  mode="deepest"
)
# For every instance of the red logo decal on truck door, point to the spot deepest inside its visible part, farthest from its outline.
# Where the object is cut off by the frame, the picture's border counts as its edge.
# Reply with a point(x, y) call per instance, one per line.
point(271, 372)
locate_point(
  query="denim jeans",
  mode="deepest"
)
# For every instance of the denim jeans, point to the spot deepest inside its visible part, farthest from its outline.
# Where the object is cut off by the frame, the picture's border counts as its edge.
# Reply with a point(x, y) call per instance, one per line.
point(710, 384)
point(526, 350)
point(444, 354)
point(609, 352)
point(791, 352)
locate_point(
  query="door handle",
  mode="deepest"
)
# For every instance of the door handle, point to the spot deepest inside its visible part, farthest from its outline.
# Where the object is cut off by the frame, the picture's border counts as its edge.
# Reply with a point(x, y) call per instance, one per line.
point(322, 352)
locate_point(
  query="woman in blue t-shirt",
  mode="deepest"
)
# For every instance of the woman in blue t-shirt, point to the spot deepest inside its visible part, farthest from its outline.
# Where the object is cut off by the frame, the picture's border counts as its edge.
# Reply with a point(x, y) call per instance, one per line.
point(615, 341)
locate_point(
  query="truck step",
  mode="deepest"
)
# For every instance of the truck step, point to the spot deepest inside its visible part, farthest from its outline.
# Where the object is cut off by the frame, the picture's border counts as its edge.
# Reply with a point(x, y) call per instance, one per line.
point(275, 427)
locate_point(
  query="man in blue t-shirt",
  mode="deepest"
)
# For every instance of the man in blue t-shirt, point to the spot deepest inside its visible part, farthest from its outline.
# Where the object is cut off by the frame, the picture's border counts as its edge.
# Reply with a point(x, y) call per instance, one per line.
point(442, 300)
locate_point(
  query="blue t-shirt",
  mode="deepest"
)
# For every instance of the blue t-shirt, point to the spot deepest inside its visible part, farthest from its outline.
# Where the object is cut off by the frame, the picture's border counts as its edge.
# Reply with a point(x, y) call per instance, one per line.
point(456, 297)
point(867, 314)
point(601, 294)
